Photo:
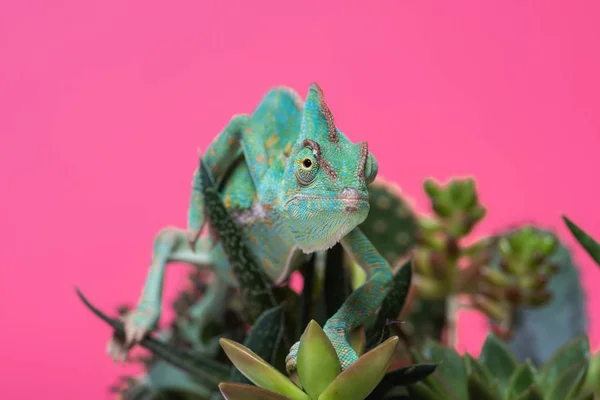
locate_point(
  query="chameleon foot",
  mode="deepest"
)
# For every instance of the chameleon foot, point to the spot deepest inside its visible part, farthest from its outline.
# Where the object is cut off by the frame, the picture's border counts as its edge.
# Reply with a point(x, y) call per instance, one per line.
point(339, 339)
point(138, 324)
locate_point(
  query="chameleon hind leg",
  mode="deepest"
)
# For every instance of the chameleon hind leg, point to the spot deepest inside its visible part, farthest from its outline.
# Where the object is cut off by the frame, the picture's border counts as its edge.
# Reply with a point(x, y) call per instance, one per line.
point(360, 305)
point(170, 245)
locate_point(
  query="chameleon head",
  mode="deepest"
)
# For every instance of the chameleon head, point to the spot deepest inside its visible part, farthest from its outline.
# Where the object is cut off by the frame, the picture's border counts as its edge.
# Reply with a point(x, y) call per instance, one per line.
point(324, 194)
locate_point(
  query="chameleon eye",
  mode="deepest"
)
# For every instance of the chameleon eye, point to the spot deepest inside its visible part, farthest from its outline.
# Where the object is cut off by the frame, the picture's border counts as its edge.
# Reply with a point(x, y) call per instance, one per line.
point(307, 163)
point(307, 171)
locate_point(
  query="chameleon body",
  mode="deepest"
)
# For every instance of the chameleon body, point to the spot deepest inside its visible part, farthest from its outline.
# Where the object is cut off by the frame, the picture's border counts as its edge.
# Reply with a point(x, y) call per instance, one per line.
point(295, 185)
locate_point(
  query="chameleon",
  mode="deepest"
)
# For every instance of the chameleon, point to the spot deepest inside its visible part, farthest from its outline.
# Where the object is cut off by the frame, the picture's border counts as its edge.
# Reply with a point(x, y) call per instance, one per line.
point(296, 185)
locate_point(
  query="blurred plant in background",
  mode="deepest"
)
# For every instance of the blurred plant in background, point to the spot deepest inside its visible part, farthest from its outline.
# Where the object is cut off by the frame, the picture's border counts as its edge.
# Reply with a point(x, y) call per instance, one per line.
point(523, 280)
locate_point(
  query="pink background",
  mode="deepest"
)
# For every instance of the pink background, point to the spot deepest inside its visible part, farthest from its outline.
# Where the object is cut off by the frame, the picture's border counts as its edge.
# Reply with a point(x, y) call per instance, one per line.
point(104, 104)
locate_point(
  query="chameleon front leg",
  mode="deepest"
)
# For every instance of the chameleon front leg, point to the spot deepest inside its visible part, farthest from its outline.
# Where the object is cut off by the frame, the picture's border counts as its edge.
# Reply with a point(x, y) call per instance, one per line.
point(170, 245)
point(237, 139)
point(360, 305)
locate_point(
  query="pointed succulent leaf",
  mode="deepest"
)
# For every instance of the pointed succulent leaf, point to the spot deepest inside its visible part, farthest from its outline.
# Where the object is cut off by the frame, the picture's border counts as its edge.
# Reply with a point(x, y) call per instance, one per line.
point(533, 393)
point(264, 339)
point(577, 350)
point(451, 368)
point(210, 371)
point(402, 377)
point(569, 382)
point(361, 377)
point(434, 381)
point(259, 372)
point(590, 245)
point(592, 381)
point(523, 378)
point(256, 291)
point(241, 391)
point(358, 339)
point(420, 391)
point(498, 359)
point(318, 363)
point(586, 396)
point(336, 285)
point(478, 389)
point(474, 367)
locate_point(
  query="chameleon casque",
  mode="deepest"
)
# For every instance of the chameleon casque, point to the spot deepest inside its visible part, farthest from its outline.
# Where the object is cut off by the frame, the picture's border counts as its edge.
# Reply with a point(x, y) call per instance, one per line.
point(295, 185)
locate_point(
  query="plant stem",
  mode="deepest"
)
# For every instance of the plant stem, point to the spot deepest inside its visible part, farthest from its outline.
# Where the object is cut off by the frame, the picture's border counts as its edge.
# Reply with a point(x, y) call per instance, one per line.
point(452, 307)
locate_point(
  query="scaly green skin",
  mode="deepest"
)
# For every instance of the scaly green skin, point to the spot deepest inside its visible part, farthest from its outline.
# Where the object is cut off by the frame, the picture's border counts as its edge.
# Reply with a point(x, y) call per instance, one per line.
point(295, 185)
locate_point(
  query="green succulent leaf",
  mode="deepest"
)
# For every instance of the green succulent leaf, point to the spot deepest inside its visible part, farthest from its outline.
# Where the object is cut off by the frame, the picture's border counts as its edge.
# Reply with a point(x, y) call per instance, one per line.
point(265, 339)
point(498, 359)
point(523, 378)
point(433, 381)
point(420, 391)
point(474, 367)
point(402, 377)
point(451, 368)
point(210, 371)
point(586, 396)
point(361, 378)
point(393, 302)
point(591, 246)
point(533, 393)
point(569, 382)
point(240, 391)
point(336, 286)
point(254, 286)
point(479, 390)
point(576, 351)
point(259, 372)
point(318, 363)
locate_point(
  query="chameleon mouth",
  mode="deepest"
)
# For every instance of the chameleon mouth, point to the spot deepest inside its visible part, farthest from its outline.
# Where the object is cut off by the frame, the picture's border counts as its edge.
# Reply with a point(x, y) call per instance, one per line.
point(344, 199)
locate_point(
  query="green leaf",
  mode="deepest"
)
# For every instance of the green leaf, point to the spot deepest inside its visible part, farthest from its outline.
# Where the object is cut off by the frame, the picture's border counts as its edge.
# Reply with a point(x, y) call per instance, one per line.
point(402, 377)
point(479, 390)
point(451, 367)
point(577, 350)
point(318, 363)
point(523, 378)
point(433, 381)
point(265, 339)
point(336, 286)
point(533, 393)
point(498, 359)
point(569, 382)
point(259, 372)
point(393, 302)
point(210, 371)
point(474, 367)
point(591, 246)
point(240, 391)
point(420, 391)
point(254, 286)
point(307, 295)
point(361, 377)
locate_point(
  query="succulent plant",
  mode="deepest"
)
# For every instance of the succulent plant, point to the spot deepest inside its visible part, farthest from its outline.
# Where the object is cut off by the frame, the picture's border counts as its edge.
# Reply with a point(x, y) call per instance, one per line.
point(497, 375)
point(319, 375)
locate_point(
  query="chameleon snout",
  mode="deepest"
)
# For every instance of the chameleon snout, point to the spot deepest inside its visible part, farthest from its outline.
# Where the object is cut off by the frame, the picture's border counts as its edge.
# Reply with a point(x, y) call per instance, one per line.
point(351, 198)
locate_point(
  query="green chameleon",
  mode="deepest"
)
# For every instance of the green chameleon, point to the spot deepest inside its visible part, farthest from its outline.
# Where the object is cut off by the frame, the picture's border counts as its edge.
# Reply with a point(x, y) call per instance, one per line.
point(295, 184)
